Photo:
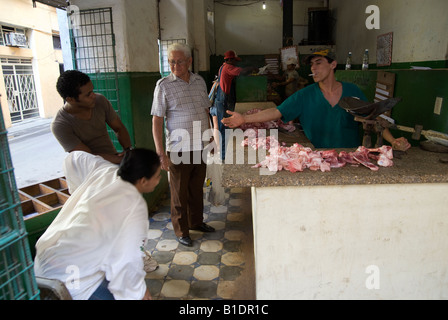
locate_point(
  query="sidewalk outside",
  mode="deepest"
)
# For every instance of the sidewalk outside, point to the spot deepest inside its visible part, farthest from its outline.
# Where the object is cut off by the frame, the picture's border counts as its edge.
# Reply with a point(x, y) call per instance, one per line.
point(28, 127)
point(36, 154)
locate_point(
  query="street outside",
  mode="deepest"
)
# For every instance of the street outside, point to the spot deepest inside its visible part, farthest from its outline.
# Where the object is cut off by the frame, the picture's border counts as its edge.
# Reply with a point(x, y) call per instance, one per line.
point(36, 154)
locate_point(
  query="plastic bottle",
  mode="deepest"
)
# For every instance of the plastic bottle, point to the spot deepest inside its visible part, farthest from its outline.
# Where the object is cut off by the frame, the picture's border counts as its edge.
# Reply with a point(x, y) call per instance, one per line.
point(365, 60)
point(348, 64)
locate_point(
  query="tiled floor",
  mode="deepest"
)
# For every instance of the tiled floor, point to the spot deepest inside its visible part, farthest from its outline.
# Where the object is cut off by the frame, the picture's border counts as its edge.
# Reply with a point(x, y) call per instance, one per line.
point(219, 265)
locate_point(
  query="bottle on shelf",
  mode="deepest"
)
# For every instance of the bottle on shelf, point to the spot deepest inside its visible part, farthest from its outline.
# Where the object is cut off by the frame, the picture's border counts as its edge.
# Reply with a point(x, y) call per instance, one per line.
point(348, 64)
point(365, 60)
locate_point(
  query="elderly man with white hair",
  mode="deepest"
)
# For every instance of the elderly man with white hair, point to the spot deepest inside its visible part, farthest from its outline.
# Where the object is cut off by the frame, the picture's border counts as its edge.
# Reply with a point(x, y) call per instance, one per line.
point(181, 103)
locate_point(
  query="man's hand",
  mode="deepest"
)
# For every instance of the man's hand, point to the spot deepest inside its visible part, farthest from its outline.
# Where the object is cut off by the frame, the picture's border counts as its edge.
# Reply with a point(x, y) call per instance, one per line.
point(234, 121)
point(165, 161)
point(401, 144)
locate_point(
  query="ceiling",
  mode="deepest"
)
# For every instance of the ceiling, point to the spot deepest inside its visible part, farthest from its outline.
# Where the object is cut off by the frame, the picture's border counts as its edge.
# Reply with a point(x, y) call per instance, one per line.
point(61, 4)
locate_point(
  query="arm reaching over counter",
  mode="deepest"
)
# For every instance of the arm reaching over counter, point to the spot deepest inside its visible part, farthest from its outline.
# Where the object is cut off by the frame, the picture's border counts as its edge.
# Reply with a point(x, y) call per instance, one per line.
point(236, 119)
point(316, 107)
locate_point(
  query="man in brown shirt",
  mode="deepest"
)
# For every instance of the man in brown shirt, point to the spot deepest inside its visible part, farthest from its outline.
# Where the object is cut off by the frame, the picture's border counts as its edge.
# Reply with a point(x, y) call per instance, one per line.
point(81, 124)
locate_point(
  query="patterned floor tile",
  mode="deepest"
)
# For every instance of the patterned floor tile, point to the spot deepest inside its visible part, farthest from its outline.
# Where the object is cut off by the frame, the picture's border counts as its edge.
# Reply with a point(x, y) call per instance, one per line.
point(160, 273)
point(204, 289)
point(232, 259)
point(180, 272)
point(154, 234)
point(227, 289)
point(206, 258)
point(212, 268)
point(230, 273)
point(175, 288)
point(211, 245)
point(167, 245)
point(237, 216)
point(205, 272)
point(234, 235)
point(185, 258)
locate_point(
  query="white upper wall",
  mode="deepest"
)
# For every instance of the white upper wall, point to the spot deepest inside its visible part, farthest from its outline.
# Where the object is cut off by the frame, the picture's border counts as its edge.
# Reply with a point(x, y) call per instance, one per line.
point(419, 29)
point(188, 19)
point(173, 20)
point(136, 32)
point(248, 29)
point(142, 36)
point(251, 30)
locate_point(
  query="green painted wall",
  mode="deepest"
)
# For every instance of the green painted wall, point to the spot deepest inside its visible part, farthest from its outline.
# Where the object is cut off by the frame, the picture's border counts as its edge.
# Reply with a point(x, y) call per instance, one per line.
point(251, 88)
point(418, 90)
point(136, 90)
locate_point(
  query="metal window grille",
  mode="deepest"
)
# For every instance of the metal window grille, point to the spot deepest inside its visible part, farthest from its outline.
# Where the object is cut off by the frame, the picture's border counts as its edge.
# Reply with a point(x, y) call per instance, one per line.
point(93, 50)
point(20, 88)
point(163, 54)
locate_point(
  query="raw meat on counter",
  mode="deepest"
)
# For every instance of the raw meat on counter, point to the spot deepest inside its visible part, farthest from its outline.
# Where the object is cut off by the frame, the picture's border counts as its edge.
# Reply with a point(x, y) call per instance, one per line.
point(298, 158)
point(267, 125)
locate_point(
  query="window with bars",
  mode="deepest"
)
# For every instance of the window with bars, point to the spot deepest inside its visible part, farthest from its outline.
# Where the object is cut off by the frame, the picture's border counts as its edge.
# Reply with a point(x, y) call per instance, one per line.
point(93, 50)
point(163, 53)
point(20, 88)
point(94, 41)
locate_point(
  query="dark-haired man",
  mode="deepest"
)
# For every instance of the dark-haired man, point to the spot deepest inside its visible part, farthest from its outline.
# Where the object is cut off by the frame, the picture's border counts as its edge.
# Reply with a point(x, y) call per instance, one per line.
point(81, 124)
point(324, 123)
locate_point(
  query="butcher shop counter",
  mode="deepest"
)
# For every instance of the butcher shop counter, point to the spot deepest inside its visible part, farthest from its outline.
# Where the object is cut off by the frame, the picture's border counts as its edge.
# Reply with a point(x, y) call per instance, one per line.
point(350, 233)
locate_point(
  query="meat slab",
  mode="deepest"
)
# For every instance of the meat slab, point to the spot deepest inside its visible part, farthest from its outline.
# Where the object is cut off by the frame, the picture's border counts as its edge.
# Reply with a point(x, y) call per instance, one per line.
point(298, 158)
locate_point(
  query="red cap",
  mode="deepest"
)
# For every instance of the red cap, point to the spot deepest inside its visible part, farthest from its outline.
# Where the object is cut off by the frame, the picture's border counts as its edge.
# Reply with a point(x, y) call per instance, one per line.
point(231, 55)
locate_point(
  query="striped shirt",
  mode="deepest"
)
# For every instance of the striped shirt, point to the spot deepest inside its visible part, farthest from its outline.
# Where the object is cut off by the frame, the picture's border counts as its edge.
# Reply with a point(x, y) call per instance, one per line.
point(184, 107)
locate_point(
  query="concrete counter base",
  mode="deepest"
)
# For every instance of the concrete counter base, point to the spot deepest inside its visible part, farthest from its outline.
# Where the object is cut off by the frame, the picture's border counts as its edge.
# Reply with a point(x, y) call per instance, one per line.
point(386, 241)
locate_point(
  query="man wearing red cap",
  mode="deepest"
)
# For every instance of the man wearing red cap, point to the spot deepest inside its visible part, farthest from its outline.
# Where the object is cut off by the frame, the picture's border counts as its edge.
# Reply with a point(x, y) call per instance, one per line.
point(229, 71)
point(226, 94)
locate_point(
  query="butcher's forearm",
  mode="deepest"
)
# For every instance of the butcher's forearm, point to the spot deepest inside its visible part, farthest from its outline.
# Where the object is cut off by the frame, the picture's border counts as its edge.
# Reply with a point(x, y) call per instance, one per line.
point(263, 116)
point(387, 135)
